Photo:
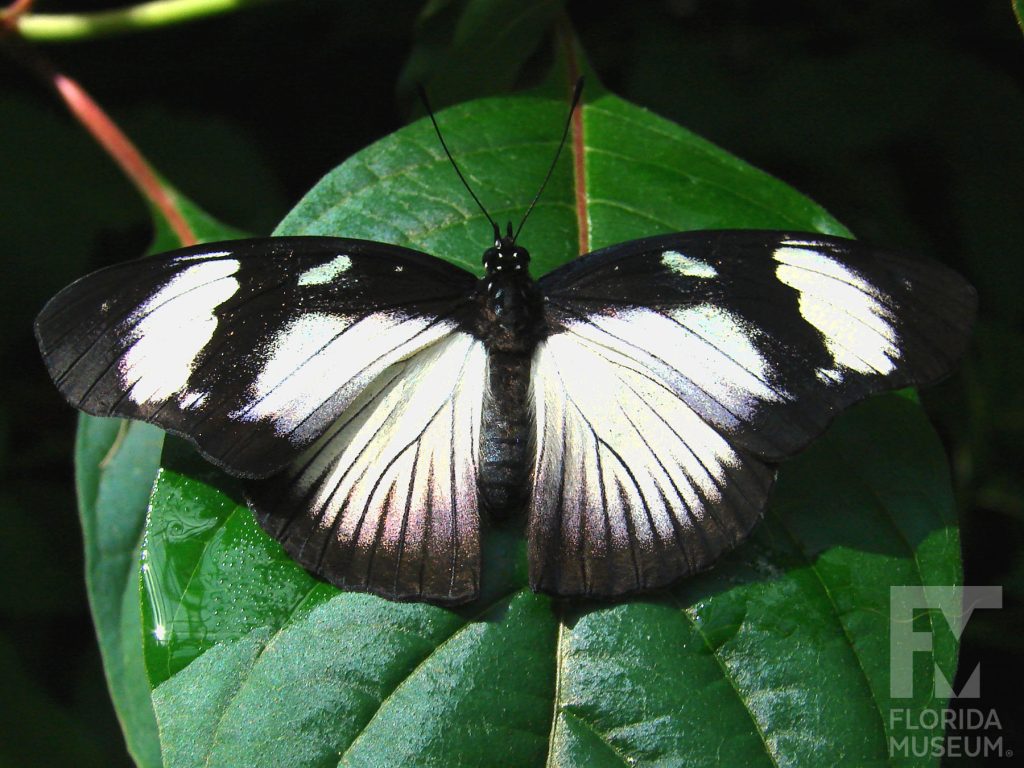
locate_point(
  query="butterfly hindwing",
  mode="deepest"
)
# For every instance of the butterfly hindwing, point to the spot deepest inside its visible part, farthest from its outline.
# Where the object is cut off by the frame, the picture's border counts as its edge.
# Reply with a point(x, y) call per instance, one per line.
point(632, 488)
point(677, 369)
point(386, 500)
point(250, 349)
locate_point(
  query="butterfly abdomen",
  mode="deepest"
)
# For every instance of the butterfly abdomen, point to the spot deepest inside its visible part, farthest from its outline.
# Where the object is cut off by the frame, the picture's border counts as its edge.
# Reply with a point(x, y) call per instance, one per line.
point(511, 322)
point(506, 435)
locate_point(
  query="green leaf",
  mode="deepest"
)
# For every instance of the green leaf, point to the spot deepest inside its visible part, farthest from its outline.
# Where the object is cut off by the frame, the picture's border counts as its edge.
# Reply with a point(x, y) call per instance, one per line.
point(213, 158)
point(115, 467)
point(468, 48)
point(115, 463)
point(779, 655)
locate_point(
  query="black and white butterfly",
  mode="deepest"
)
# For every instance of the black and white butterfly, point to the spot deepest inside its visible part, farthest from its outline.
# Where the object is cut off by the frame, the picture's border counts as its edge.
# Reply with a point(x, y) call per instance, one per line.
point(380, 401)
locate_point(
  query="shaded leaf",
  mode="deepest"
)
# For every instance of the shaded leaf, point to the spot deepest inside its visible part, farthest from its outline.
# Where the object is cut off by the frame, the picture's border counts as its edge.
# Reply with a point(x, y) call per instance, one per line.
point(212, 159)
point(39, 730)
point(115, 463)
point(469, 48)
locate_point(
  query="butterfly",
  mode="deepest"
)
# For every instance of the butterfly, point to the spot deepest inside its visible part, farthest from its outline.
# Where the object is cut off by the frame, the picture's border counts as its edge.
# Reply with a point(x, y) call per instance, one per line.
point(380, 402)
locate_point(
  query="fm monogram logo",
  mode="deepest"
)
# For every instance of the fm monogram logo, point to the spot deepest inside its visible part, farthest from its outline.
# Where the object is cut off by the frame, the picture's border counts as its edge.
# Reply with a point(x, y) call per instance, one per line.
point(956, 604)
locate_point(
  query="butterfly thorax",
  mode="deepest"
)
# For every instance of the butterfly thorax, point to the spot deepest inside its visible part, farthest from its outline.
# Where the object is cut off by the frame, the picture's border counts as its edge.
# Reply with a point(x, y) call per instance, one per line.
point(510, 323)
point(511, 306)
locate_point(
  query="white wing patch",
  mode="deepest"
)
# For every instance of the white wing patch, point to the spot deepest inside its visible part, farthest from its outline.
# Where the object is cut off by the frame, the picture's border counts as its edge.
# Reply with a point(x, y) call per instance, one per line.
point(304, 361)
point(394, 479)
point(718, 335)
point(852, 315)
point(724, 370)
point(687, 265)
point(325, 273)
point(294, 345)
point(625, 471)
point(170, 330)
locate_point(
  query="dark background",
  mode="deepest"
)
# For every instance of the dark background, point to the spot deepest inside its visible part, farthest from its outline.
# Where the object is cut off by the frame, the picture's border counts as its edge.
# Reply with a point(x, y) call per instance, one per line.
point(905, 120)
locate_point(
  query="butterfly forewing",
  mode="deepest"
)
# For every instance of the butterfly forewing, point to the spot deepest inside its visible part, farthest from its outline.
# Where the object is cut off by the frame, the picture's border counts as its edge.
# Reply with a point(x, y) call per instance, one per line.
point(677, 367)
point(250, 349)
point(767, 335)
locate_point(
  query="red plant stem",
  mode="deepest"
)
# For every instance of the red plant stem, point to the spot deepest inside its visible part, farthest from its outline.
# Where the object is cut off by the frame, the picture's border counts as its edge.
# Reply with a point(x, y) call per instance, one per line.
point(111, 138)
point(579, 168)
point(123, 152)
point(9, 15)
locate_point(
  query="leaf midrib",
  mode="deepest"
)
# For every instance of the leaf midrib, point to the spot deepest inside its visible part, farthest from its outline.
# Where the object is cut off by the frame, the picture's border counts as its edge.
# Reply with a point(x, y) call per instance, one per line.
point(404, 680)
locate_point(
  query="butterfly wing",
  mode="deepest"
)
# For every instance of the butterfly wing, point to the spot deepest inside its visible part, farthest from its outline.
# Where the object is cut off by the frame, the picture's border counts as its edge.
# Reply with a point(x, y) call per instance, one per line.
point(679, 368)
point(249, 349)
point(385, 501)
point(632, 488)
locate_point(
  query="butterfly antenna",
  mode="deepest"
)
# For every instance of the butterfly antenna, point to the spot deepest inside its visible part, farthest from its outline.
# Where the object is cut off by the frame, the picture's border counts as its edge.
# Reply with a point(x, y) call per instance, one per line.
point(576, 93)
point(437, 130)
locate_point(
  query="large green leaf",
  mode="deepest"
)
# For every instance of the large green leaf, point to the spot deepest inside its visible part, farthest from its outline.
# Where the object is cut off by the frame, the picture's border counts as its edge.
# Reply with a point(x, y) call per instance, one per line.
point(115, 466)
point(467, 48)
point(779, 655)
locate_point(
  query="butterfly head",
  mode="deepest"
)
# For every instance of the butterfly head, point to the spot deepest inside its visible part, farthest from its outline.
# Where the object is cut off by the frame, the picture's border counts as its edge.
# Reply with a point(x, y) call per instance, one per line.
point(505, 258)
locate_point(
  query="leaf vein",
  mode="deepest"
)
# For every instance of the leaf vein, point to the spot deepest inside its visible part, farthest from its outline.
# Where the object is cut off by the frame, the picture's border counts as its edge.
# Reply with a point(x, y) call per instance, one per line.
point(468, 623)
point(730, 678)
